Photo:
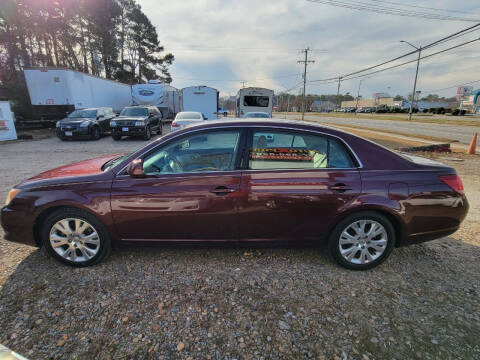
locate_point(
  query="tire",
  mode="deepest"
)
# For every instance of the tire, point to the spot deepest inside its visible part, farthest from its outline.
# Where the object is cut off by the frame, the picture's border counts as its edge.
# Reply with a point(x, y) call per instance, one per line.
point(79, 248)
point(96, 133)
point(160, 128)
point(368, 251)
point(116, 137)
point(147, 135)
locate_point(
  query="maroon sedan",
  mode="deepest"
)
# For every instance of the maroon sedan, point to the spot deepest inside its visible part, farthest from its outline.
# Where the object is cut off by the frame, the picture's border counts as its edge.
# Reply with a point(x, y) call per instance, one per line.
point(240, 181)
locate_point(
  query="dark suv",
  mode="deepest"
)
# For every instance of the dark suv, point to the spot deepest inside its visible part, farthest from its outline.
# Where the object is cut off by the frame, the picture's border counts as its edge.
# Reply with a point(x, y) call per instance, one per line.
point(86, 123)
point(137, 121)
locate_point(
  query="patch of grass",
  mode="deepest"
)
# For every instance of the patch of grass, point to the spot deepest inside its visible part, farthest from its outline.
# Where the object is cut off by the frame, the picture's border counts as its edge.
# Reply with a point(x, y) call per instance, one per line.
point(400, 117)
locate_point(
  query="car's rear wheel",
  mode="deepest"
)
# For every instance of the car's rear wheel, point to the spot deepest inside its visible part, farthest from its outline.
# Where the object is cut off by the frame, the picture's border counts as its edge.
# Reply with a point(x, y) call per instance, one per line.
point(75, 237)
point(147, 134)
point(362, 241)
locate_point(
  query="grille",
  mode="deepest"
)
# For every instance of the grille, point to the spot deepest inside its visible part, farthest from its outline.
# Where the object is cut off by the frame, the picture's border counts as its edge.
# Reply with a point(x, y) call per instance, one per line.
point(126, 122)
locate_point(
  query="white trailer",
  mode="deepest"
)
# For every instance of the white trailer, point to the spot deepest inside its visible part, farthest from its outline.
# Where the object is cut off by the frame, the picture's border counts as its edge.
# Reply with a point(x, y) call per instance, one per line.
point(201, 98)
point(154, 93)
point(254, 99)
point(55, 92)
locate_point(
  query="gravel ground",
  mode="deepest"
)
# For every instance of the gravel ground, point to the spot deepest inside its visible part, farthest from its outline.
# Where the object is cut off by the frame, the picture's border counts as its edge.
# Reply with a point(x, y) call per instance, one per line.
point(227, 302)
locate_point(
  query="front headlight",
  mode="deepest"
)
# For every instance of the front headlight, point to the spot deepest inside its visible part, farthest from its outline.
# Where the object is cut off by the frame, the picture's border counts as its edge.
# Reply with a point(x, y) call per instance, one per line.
point(85, 123)
point(113, 123)
point(138, 123)
point(11, 195)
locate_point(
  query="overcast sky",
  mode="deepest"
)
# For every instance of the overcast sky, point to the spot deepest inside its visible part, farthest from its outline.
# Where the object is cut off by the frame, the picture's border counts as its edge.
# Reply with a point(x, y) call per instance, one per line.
point(259, 41)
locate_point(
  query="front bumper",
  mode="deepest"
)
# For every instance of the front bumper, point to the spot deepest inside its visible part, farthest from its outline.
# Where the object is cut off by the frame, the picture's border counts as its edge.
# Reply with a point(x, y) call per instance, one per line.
point(76, 132)
point(18, 226)
point(128, 130)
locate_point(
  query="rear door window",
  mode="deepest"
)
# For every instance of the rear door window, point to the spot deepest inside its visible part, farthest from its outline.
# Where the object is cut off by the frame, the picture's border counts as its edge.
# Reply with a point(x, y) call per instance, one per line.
point(274, 149)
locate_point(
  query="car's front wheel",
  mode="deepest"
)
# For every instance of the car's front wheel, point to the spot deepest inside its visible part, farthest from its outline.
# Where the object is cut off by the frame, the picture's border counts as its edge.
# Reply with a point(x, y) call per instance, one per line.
point(96, 133)
point(147, 135)
point(75, 237)
point(362, 241)
point(116, 137)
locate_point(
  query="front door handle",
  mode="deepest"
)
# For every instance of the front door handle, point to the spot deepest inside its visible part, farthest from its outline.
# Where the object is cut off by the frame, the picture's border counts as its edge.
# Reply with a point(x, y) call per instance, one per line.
point(222, 190)
point(340, 187)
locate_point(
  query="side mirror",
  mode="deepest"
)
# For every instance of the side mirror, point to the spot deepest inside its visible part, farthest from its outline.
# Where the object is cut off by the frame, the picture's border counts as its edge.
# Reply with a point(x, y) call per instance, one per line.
point(135, 168)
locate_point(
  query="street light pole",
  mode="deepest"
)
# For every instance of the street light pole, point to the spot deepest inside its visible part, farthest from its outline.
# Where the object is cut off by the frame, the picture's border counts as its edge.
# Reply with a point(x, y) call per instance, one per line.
point(358, 96)
point(419, 49)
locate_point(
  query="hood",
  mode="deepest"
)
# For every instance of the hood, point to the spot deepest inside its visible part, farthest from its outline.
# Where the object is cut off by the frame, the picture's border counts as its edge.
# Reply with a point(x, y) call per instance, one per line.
point(82, 168)
point(75, 120)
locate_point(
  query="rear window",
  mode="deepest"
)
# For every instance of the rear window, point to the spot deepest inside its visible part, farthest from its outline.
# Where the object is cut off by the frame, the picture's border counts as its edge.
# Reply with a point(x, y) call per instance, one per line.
point(188, 115)
point(257, 101)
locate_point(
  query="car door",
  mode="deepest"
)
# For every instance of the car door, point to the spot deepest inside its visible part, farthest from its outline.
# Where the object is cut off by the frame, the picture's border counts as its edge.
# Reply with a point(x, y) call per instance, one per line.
point(295, 185)
point(189, 191)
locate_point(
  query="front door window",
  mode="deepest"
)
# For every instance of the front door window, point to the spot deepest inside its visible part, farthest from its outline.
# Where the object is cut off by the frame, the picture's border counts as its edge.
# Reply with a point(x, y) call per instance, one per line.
point(201, 152)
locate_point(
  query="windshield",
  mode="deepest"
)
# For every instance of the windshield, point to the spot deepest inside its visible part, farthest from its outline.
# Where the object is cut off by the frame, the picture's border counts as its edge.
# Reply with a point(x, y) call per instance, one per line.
point(83, 114)
point(256, 115)
point(257, 101)
point(188, 115)
point(134, 111)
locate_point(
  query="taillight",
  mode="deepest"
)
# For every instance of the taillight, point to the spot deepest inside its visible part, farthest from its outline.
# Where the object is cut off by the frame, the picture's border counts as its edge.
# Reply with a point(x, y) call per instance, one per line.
point(453, 181)
point(175, 124)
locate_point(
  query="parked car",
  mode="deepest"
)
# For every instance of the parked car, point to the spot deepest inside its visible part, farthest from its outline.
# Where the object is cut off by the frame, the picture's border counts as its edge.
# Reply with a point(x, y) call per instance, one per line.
point(222, 112)
point(256, 115)
point(137, 121)
point(223, 180)
point(185, 118)
point(86, 123)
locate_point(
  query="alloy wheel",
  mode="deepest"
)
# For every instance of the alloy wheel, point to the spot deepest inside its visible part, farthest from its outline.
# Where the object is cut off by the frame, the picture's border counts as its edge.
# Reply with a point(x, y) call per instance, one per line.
point(363, 241)
point(74, 239)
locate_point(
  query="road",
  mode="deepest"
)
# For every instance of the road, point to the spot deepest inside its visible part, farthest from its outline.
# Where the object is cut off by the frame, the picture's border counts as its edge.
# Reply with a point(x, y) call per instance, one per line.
point(462, 134)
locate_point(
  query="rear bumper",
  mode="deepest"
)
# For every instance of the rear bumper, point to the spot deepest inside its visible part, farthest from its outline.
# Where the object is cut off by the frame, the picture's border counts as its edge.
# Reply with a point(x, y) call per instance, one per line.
point(430, 222)
point(18, 226)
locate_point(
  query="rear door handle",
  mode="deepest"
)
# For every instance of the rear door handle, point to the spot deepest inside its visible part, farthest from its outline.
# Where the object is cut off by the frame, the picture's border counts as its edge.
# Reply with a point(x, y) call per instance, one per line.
point(222, 190)
point(340, 187)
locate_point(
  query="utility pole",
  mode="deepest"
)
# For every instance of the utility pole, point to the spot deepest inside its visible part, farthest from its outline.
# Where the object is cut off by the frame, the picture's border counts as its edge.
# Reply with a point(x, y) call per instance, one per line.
point(243, 84)
point(305, 62)
point(338, 92)
point(419, 49)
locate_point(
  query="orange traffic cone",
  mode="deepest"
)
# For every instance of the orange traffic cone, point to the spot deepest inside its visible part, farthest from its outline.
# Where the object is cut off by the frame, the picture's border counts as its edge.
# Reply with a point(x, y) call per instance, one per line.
point(473, 145)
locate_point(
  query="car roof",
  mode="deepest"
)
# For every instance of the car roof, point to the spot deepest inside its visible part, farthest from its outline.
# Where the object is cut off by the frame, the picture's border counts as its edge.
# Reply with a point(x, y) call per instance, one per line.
point(231, 122)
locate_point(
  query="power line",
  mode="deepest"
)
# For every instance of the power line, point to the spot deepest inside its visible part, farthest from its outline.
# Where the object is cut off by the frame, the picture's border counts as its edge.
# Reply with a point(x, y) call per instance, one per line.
point(356, 5)
point(239, 80)
point(422, 7)
point(432, 44)
point(452, 87)
point(220, 48)
point(411, 61)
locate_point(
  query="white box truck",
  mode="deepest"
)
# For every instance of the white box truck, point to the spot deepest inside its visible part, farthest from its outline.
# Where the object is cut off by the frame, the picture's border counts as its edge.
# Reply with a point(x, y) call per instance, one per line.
point(254, 99)
point(200, 98)
point(155, 93)
point(55, 92)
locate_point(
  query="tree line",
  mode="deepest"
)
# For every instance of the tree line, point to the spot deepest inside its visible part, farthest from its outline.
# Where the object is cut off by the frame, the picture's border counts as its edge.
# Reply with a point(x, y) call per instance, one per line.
point(109, 38)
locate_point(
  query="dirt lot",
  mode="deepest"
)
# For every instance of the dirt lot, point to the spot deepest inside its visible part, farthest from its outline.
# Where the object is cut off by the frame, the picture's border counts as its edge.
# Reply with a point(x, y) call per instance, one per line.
point(232, 303)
